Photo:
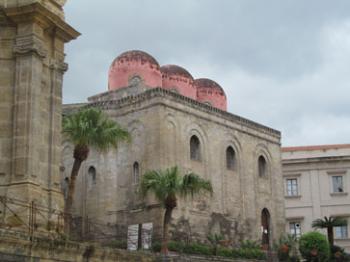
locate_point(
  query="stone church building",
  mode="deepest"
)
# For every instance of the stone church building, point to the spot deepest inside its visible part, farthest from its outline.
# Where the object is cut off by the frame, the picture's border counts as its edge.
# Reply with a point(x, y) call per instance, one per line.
point(175, 119)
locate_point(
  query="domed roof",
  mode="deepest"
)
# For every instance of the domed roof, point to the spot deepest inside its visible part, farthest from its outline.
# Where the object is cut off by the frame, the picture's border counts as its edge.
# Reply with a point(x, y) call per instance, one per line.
point(136, 55)
point(175, 70)
point(178, 79)
point(208, 83)
point(208, 91)
point(131, 65)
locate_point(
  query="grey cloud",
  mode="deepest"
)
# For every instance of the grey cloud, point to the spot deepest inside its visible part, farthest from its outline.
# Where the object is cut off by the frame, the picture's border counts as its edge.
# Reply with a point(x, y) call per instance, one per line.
point(282, 63)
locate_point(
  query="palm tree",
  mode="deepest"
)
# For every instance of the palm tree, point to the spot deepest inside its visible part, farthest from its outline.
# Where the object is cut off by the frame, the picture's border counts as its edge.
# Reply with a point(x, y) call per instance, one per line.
point(167, 186)
point(329, 224)
point(89, 127)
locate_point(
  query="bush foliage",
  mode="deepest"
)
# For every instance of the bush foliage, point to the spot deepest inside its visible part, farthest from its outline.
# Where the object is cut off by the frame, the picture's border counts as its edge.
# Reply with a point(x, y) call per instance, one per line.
point(207, 250)
point(338, 254)
point(286, 248)
point(314, 246)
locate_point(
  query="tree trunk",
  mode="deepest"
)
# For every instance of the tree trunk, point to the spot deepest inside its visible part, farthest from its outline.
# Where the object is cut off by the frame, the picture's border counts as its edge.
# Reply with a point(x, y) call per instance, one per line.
point(71, 189)
point(330, 236)
point(167, 218)
point(80, 154)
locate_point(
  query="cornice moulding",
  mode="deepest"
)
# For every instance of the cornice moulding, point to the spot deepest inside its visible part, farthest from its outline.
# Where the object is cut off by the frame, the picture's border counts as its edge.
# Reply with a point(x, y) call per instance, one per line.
point(38, 13)
point(163, 93)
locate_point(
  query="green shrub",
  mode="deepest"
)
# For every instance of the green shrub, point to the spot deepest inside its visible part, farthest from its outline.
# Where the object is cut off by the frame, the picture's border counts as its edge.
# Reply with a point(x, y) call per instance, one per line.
point(249, 253)
point(176, 246)
point(314, 246)
point(206, 250)
point(224, 252)
point(197, 248)
point(215, 240)
point(286, 248)
point(249, 244)
point(156, 246)
point(121, 244)
point(338, 254)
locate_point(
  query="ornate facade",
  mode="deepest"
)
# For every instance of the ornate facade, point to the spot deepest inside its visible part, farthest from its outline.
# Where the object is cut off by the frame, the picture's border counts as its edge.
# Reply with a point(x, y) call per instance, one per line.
point(32, 38)
point(177, 120)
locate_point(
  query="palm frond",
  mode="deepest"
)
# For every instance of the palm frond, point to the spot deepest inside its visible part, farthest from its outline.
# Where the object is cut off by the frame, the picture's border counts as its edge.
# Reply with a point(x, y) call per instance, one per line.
point(192, 184)
point(153, 181)
point(328, 222)
point(91, 127)
point(169, 183)
point(338, 222)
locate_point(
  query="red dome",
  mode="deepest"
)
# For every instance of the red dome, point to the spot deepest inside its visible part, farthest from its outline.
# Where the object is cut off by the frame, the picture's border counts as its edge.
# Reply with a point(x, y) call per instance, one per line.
point(132, 64)
point(178, 79)
point(208, 91)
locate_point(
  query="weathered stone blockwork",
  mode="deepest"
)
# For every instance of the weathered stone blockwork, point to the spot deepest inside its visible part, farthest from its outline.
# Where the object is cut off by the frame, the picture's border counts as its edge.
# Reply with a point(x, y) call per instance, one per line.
point(161, 124)
point(18, 248)
point(32, 37)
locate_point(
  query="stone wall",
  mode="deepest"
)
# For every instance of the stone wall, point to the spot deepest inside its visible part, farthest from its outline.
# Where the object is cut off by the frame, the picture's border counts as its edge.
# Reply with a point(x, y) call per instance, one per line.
point(16, 247)
point(161, 123)
point(32, 38)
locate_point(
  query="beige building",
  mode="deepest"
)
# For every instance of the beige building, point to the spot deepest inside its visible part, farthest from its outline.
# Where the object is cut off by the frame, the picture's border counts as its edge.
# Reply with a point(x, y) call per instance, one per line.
point(240, 157)
point(317, 184)
point(32, 38)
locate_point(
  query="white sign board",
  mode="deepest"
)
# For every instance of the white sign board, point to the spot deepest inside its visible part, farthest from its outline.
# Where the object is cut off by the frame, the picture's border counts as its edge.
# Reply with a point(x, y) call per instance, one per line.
point(133, 235)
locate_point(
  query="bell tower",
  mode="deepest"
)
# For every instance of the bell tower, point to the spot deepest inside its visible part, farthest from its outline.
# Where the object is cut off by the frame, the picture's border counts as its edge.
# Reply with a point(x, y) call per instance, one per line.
point(32, 38)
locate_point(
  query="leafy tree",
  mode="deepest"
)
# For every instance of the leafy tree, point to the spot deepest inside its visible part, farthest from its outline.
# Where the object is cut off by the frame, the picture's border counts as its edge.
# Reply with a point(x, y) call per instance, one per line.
point(87, 128)
point(329, 224)
point(167, 186)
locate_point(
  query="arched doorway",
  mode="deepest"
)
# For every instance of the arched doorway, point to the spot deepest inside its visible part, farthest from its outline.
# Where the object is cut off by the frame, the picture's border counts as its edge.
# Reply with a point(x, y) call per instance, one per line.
point(265, 228)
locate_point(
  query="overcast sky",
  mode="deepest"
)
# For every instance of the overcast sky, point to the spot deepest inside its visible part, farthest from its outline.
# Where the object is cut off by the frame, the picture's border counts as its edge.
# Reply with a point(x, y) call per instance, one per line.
point(285, 64)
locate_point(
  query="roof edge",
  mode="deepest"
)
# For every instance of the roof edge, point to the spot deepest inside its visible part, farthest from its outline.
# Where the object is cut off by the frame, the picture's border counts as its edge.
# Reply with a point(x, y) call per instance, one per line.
point(314, 147)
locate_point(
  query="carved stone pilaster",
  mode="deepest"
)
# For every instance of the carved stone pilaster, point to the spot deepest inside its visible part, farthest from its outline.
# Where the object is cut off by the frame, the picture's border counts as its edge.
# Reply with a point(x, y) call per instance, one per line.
point(29, 44)
point(59, 66)
point(33, 57)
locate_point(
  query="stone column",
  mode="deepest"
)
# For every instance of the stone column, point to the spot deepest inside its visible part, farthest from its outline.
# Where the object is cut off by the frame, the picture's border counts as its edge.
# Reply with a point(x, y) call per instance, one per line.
point(38, 57)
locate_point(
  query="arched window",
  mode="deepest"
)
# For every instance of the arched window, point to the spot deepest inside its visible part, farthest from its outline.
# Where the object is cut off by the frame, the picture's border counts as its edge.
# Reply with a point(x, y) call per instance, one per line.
point(262, 166)
point(92, 175)
point(230, 158)
point(195, 152)
point(136, 172)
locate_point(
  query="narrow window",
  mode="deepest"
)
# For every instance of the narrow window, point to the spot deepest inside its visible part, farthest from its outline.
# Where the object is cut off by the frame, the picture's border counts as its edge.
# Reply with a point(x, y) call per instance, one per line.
point(195, 153)
point(292, 187)
point(92, 175)
point(295, 229)
point(135, 80)
point(337, 184)
point(341, 232)
point(136, 172)
point(262, 166)
point(230, 158)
